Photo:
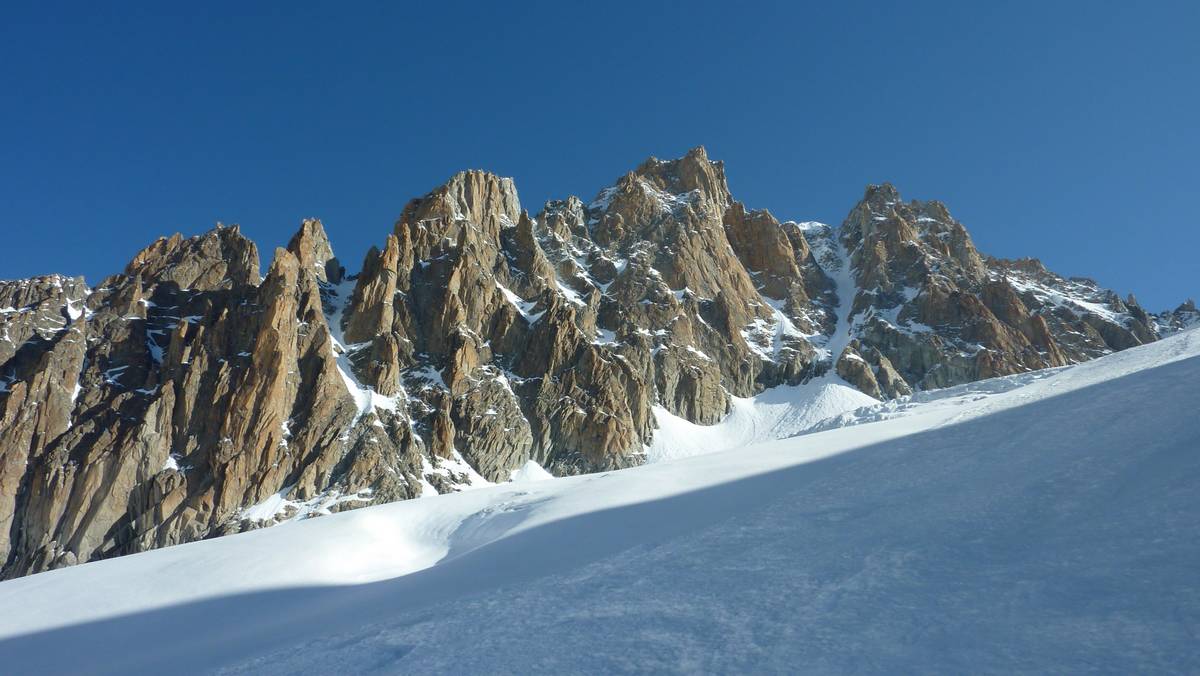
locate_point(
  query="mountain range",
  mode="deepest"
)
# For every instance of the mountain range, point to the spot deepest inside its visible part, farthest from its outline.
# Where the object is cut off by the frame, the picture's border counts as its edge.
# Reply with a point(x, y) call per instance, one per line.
point(191, 396)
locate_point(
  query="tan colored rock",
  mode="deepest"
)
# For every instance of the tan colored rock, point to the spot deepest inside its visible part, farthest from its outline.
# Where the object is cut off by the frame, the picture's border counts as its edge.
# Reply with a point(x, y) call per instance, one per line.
point(855, 370)
point(763, 248)
point(311, 246)
point(221, 258)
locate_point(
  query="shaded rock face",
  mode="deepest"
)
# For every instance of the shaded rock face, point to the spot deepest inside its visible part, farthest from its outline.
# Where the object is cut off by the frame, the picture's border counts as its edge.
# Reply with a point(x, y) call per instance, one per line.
point(190, 397)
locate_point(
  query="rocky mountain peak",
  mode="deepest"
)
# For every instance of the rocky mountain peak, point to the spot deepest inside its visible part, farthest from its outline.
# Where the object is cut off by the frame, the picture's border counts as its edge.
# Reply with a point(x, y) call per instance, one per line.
point(693, 172)
point(881, 196)
point(898, 245)
point(221, 258)
point(483, 197)
point(1183, 317)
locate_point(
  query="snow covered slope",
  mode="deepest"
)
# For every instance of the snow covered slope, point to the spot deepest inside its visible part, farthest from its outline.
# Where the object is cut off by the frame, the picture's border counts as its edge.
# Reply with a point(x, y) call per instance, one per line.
point(1044, 522)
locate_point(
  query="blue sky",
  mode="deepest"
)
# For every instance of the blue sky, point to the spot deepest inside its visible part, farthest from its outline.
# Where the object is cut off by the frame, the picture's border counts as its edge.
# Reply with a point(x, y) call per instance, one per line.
point(1064, 131)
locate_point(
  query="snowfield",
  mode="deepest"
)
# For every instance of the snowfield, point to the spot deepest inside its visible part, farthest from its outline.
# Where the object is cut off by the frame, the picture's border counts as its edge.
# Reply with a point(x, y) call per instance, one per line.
point(1045, 522)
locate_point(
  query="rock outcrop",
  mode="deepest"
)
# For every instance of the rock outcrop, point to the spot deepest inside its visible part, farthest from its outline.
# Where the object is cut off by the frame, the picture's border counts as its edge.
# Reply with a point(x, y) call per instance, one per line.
point(187, 397)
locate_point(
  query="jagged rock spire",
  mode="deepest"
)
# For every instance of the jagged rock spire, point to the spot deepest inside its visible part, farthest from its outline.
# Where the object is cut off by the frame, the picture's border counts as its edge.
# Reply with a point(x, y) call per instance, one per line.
point(311, 246)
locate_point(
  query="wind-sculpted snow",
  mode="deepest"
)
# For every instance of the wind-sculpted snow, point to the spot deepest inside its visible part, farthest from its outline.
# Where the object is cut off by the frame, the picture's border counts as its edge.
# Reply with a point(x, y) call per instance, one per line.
point(1045, 522)
point(778, 413)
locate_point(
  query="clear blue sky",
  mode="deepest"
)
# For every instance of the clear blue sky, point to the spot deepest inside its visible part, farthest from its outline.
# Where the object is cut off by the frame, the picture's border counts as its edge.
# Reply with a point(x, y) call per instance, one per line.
point(1066, 131)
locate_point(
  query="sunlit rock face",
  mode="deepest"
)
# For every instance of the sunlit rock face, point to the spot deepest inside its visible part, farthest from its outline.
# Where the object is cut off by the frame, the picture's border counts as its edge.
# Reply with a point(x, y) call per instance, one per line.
point(191, 396)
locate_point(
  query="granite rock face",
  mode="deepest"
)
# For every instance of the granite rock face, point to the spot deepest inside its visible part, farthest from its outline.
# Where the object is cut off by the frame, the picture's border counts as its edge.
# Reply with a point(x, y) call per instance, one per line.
point(171, 398)
point(190, 397)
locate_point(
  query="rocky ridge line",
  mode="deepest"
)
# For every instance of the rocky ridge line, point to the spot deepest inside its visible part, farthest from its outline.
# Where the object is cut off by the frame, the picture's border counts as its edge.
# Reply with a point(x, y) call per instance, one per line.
point(187, 397)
